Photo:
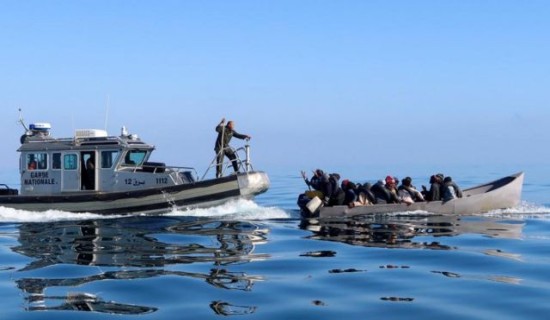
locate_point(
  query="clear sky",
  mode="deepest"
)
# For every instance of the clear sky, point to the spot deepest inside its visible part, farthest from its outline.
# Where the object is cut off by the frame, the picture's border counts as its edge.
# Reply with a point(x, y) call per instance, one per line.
point(315, 83)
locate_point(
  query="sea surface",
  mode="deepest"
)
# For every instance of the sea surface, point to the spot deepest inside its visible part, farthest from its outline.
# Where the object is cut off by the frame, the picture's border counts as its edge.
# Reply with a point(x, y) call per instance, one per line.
point(259, 260)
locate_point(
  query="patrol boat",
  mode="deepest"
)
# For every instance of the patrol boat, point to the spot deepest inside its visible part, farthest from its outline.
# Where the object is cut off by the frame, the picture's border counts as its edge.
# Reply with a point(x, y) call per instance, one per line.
point(97, 173)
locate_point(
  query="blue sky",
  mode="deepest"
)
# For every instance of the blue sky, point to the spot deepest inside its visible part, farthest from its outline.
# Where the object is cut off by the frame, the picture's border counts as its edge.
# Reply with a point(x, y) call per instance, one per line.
point(315, 83)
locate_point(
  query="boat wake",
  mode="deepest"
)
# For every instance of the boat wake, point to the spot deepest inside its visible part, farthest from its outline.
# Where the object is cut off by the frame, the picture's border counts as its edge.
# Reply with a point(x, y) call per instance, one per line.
point(235, 209)
point(238, 210)
point(8, 215)
point(246, 210)
point(525, 210)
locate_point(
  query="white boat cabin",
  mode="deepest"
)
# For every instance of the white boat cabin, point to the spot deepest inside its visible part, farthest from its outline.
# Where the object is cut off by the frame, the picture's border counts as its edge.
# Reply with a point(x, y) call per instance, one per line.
point(91, 162)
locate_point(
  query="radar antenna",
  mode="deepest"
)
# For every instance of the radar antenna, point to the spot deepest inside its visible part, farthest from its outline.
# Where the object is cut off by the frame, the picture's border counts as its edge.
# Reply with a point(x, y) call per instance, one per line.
point(21, 121)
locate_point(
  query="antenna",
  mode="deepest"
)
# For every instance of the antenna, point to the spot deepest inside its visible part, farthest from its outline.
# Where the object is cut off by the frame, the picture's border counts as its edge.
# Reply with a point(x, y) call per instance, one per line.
point(21, 121)
point(107, 111)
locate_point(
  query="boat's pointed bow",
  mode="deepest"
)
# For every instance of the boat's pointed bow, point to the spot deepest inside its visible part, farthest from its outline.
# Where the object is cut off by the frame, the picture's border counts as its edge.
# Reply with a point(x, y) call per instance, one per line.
point(253, 183)
point(517, 188)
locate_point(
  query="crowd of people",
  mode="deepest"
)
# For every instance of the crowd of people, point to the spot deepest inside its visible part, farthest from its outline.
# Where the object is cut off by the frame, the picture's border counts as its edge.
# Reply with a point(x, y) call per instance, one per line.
point(333, 192)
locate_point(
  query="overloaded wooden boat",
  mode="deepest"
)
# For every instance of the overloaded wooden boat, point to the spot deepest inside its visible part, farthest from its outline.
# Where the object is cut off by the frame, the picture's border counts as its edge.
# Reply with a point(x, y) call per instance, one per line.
point(499, 194)
point(97, 173)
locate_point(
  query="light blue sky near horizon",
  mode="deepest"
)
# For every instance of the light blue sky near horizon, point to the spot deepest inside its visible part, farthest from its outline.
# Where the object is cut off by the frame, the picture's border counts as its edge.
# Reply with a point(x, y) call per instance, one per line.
point(315, 83)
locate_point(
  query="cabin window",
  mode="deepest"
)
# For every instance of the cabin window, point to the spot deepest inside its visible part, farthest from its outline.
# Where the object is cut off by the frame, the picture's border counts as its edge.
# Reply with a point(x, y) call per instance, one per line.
point(70, 162)
point(108, 158)
point(134, 157)
point(56, 161)
point(37, 161)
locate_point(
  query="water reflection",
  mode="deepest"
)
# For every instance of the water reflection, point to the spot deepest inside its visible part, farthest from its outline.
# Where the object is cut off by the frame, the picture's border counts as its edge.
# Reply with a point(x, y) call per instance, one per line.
point(226, 309)
point(89, 302)
point(153, 247)
point(400, 231)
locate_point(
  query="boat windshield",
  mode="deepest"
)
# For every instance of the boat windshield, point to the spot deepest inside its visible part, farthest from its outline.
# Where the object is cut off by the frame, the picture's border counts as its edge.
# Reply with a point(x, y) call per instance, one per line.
point(134, 158)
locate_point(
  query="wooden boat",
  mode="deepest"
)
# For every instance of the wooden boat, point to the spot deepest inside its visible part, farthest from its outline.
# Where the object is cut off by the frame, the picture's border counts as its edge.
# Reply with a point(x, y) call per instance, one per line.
point(499, 194)
point(97, 173)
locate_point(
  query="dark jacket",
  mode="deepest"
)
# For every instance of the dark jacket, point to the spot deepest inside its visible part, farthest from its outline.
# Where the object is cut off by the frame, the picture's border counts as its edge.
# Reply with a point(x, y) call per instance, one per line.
point(320, 183)
point(350, 191)
point(366, 190)
point(383, 194)
point(436, 188)
point(227, 135)
point(435, 192)
point(334, 195)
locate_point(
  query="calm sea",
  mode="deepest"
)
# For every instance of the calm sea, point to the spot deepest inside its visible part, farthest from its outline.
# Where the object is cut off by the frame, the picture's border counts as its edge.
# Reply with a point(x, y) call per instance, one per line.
point(259, 260)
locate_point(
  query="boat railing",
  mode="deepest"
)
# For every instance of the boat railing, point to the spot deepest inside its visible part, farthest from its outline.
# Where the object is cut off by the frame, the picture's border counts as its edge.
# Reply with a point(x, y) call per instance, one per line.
point(158, 167)
point(242, 155)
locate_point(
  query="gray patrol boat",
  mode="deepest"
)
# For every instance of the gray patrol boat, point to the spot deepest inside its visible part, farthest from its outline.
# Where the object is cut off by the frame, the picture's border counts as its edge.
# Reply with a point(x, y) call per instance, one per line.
point(97, 173)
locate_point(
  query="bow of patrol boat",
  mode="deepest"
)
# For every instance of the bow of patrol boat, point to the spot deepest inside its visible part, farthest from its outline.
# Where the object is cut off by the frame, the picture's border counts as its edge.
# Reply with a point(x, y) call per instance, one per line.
point(253, 183)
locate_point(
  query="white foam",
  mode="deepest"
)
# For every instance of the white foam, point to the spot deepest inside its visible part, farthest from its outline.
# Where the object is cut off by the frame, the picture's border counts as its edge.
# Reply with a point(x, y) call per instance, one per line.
point(239, 209)
point(235, 209)
point(524, 210)
point(16, 215)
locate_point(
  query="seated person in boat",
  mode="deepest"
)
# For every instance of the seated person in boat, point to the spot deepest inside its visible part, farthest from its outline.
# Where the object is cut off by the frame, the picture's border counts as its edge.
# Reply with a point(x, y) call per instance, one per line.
point(352, 197)
point(355, 194)
point(408, 193)
point(318, 182)
point(349, 191)
point(325, 187)
point(434, 194)
point(450, 189)
point(365, 189)
point(385, 193)
point(336, 194)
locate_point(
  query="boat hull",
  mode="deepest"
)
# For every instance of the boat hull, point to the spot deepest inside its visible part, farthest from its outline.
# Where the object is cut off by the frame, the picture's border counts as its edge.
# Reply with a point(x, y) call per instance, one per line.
point(204, 193)
point(499, 194)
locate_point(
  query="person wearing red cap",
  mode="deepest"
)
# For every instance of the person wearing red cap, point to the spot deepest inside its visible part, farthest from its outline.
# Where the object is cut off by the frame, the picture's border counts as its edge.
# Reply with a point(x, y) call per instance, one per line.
point(391, 185)
point(385, 193)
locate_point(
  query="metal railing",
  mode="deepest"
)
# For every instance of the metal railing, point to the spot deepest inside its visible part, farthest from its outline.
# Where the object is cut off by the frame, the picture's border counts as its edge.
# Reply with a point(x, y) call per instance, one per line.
point(157, 169)
point(244, 165)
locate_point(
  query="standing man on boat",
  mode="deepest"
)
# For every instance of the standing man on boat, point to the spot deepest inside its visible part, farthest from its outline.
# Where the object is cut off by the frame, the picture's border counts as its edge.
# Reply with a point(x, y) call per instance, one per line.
point(225, 133)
